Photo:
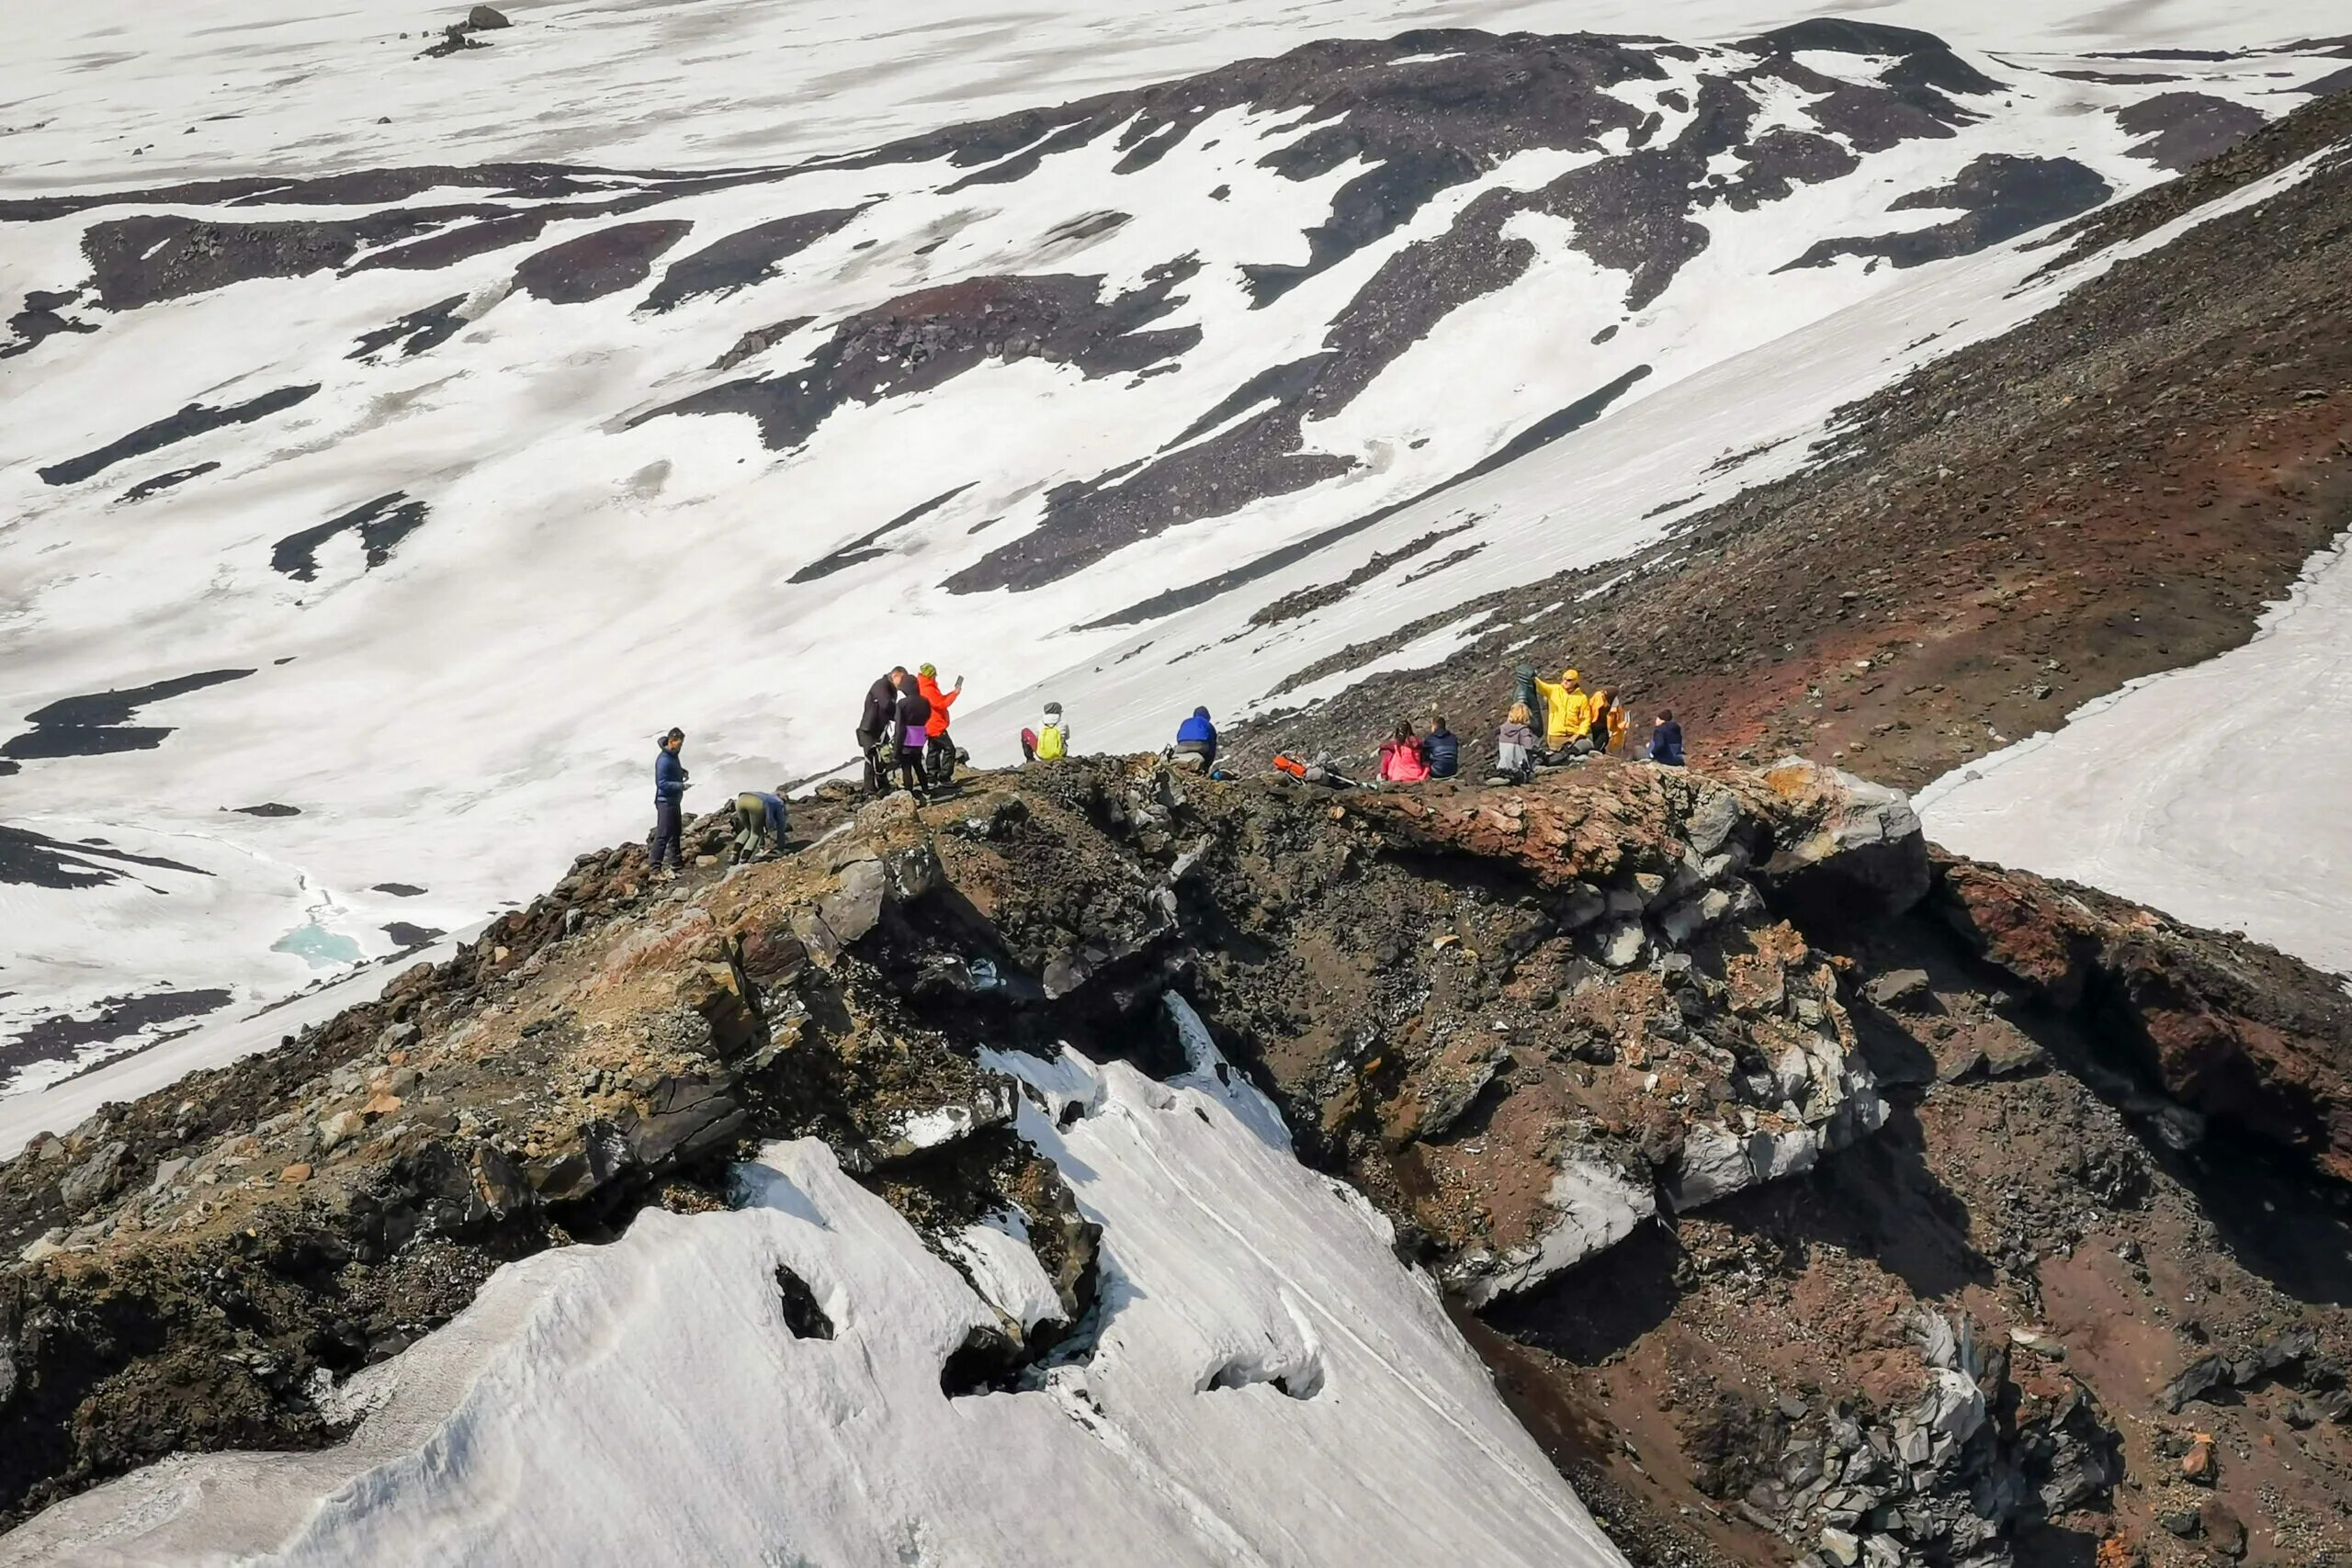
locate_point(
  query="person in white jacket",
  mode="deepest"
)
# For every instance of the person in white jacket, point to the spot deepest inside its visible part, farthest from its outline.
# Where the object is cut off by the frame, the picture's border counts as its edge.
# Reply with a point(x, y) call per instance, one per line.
point(1049, 742)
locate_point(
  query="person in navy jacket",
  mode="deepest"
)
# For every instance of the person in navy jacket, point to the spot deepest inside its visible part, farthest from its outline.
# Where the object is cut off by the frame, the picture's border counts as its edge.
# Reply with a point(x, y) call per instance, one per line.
point(668, 791)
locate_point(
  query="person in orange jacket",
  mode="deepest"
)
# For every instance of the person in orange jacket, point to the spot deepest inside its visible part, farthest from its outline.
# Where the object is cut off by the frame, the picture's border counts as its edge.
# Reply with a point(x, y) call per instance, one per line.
point(939, 753)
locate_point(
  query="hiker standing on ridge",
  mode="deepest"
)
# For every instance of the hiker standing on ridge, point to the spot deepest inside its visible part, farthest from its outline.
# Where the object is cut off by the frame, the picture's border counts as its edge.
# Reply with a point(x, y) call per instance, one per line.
point(939, 752)
point(1665, 740)
point(669, 790)
point(874, 728)
point(1196, 737)
point(910, 725)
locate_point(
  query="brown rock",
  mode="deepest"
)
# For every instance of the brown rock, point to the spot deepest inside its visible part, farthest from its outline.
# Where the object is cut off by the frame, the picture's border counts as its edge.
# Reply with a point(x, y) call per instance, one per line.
point(2227, 1027)
point(2225, 1532)
point(2200, 1464)
point(295, 1174)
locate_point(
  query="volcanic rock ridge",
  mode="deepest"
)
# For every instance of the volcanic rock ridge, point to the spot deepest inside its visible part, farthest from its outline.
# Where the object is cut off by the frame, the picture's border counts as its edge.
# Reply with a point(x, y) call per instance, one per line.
point(1809, 1192)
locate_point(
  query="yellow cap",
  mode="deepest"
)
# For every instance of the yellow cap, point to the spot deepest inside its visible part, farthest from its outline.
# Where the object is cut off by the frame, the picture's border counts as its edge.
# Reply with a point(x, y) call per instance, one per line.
point(1567, 675)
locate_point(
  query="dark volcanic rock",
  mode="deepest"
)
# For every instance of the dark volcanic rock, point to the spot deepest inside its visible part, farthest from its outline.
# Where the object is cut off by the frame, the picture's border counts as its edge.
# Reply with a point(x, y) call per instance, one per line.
point(596, 265)
point(40, 317)
point(921, 340)
point(2231, 1028)
point(416, 332)
point(96, 724)
point(862, 548)
point(192, 421)
point(380, 525)
point(158, 483)
point(2182, 129)
point(2002, 196)
point(743, 258)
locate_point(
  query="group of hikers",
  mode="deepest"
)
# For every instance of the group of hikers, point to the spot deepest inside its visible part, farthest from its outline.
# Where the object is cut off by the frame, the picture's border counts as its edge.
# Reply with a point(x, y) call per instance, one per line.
point(903, 740)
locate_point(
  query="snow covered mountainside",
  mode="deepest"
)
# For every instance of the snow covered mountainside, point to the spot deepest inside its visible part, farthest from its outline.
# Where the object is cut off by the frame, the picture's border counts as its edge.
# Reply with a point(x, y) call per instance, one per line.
point(362, 525)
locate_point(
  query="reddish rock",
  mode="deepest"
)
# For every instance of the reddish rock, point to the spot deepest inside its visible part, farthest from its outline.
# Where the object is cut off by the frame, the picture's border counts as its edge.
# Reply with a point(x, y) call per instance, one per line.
point(2225, 1026)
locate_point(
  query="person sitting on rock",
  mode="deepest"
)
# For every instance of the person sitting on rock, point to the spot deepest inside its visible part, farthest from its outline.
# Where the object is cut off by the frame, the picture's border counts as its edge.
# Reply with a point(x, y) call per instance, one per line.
point(669, 790)
point(874, 728)
point(1049, 742)
point(1441, 749)
point(760, 823)
point(1400, 757)
point(1597, 733)
point(1568, 712)
point(1515, 745)
point(1618, 725)
point(910, 728)
point(939, 752)
point(1665, 740)
point(1196, 737)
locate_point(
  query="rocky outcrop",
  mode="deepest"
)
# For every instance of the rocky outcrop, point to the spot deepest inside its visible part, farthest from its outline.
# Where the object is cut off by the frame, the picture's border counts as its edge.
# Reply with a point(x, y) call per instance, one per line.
point(1533, 1025)
point(2227, 1028)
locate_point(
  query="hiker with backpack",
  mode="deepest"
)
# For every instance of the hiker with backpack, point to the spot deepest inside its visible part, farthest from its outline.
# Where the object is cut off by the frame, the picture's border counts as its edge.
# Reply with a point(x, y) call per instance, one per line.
point(910, 732)
point(1665, 740)
point(939, 752)
point(1400, 757)
point(761, 823)
point(668, 791)
point(874, 728)
point(1049, 742)
point(1196, 737)
point(1516, 746)
point(1442, 750)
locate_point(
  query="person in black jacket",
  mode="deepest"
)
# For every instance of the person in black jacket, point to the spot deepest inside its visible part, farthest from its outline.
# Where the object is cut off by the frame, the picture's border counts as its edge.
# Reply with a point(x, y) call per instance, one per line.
point(1441, 749)
point(908, 721)
point(874, 728)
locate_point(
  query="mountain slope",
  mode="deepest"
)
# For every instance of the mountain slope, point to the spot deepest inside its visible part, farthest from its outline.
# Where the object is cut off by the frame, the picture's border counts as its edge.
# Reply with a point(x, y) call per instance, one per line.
point(934, 1189)
point(416, 483)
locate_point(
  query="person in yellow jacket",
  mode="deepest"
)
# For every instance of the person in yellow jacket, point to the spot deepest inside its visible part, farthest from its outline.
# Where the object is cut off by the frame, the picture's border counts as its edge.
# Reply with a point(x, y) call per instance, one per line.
point(1617, 726)
point(1567, 710)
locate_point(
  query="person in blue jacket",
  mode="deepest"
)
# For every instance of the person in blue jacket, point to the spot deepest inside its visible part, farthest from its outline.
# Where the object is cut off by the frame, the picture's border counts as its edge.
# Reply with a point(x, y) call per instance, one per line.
point(1665, 740)
point(1442, 750)
point(1196, 737)
point(669, 790)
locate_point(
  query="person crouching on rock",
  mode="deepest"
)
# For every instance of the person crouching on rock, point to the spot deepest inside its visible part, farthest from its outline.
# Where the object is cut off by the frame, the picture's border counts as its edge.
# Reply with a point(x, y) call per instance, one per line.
point(939, 752)
point(909, 727)
point(1515, 745)
point(1400, 757)
point(874, 728)
point(1049, 742)
point(760, 823)
point(669, 790)
point(1442, 750)
point(1196, 737)
point(1665, 740)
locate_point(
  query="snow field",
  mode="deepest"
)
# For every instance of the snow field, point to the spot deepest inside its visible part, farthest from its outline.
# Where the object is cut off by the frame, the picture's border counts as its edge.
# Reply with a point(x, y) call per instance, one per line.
point(644, 1402)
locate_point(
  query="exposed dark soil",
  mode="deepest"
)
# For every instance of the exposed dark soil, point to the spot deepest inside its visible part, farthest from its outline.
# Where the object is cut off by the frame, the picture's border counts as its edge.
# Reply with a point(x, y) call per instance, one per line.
point(2113, 489)
point(192, 421)
point(379, 525)
point(98, 723)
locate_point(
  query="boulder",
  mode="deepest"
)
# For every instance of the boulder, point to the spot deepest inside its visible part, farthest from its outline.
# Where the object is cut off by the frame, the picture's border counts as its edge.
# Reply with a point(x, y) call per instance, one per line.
point(1840, 844)
point(1715, 1163)
point(2220, 1025)
point(1595, 1204)
point(485, 18)
point(93, 1180)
